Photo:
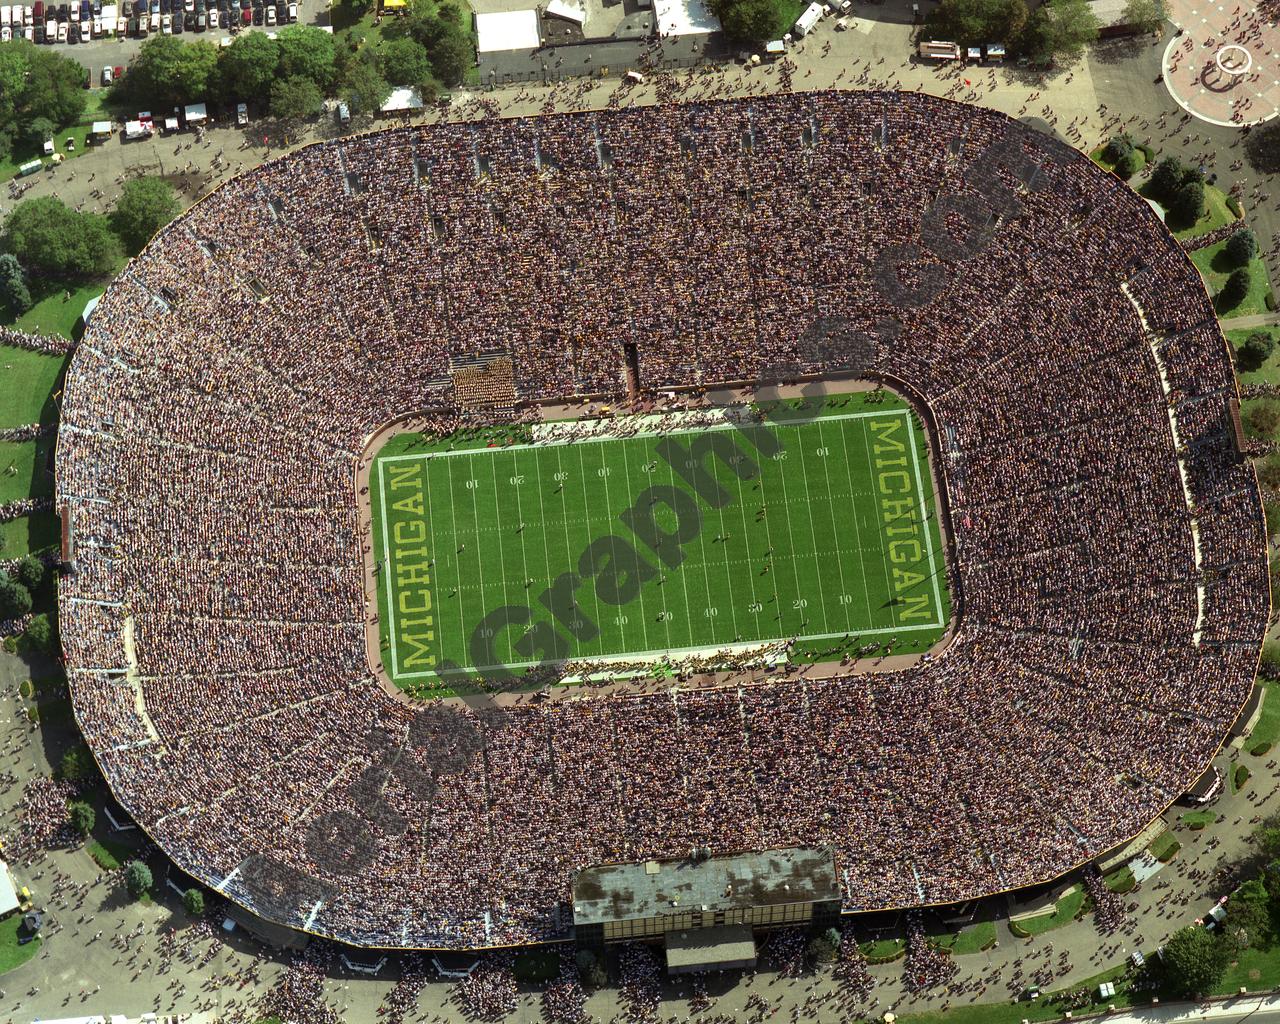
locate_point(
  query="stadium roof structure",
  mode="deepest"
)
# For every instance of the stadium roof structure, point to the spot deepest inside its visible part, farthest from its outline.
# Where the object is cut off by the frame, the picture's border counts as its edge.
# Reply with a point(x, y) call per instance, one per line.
point(611, 892)
point(1108, 545)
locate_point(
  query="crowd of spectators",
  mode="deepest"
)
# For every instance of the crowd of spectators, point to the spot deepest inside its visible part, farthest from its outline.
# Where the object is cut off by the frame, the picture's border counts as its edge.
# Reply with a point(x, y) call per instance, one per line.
point(1108, 539)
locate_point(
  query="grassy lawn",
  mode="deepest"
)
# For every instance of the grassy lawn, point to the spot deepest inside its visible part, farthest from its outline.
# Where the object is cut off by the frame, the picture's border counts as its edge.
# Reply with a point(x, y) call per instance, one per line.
point(11, 954)
point(1165, 847)
point(1047, 1007)
point(22, 469)
point(883, 949)
point(1121, 880)
point(1215, 268)
point(1255, 969)
point(1268, 372)
point(94, 110)
point(30, 533)
point(54, 315)
point(968, 940)
point(1198, 819)
point(27, 381)
point(109, 854)
point(1268, 728)
point(1063, 913)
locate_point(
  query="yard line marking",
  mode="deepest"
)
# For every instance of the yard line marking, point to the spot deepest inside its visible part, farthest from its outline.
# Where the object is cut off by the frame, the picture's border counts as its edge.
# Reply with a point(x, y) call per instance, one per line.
point(831, 509)
point(582, 472)
point(746, 535)
point(791, 539)
point(524, 559)
point(924, 522)
point(684, 576)
point(862, 566)
point(564, 508)
point(813, 532)
point(475, 514)
point(453, 516)
point(543, 523)
point(613, 550)
point(644, 616)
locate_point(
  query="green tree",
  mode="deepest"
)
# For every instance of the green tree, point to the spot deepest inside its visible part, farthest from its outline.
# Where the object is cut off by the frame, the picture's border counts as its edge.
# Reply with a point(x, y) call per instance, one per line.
point(1255, 351)
point(974, 22)
point(1129, 164)
point(1145, 15)
point(1262, 147)
point(37, 84)
point(50, 238)
point(137, 878)
point(590, 970)
point(40, 634)
point(247, 67)
point(30, 572)
point(193, 902)
point(293, 99)
point(1188, 203)
point(1166, 178)
point(1241, 247)
point(1195, 960)
point(82, 817)
point(76, 764)
point(1118, 146)
point(405, 61)
point(15, 599)
point(307, 52)
point(168, 72)
point(37, 130)
point(1271, 510)
point(1264, 418)
point(362, 85)
point(1249, 914)
point(15, 296)
point(1060, 31)
point(447, 35)
point(1235, 289)
point(748, 21)
point(145, 206)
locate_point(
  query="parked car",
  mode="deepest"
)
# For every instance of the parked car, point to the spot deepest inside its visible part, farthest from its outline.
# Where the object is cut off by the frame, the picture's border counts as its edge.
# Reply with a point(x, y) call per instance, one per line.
point(28, 16)
point(108, 75)
point(202, 22)
point(62, 31)
point(271, 15)
point(166, 24)
point(119, 72)
point(293, 14)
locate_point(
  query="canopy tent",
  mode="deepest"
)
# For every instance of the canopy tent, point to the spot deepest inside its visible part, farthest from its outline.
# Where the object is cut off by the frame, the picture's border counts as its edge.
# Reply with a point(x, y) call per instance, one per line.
point(507, 30)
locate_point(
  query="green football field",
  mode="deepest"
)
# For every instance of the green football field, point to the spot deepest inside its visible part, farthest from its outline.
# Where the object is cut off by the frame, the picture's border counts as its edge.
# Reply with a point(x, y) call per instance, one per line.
point(656, 540)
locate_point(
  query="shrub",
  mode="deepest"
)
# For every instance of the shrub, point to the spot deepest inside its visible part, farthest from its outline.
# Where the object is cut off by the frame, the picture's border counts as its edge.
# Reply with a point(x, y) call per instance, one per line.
point(1258, 749)
point(82, 817)
point(137, 879)
point(1147, 152)
point(1236, 288)
point(1270, 301)
point(1241, 247)
point(1241, 775)
point(1233, 204)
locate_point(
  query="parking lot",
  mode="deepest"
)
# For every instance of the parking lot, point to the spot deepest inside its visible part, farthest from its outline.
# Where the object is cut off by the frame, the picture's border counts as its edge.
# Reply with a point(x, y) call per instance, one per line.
point(111, 36)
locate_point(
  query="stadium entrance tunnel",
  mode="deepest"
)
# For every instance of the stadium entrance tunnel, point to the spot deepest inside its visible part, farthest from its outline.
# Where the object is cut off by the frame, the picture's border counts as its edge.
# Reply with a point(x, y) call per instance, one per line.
point(695, 540)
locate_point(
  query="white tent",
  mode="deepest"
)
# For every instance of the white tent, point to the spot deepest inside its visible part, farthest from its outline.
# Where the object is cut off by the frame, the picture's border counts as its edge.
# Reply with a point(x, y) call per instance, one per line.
point(685, 17)
point(402, 99)
point(8, 892)
point(197, 113)
point(507, 30)
point(570, 12)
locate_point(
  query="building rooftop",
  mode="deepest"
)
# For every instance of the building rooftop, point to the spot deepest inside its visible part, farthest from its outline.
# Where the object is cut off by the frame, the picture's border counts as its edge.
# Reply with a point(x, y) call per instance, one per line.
point(610, 892)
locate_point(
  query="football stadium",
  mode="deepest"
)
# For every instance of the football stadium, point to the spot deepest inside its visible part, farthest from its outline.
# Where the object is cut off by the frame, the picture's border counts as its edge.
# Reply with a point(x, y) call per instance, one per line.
point(844, 472)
